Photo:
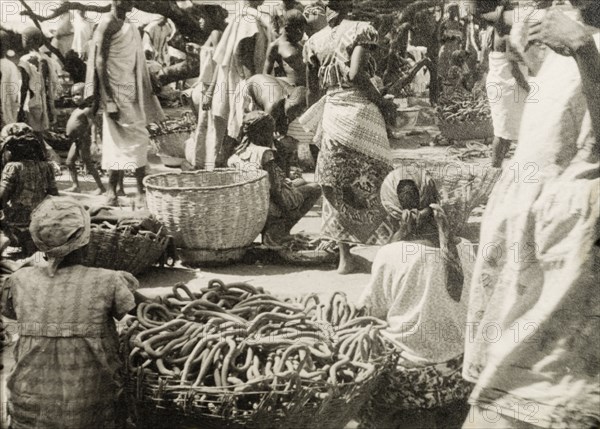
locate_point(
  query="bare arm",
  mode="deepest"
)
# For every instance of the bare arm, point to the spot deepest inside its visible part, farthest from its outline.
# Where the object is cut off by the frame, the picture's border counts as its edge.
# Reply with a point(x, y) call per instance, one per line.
point(106, 30)
point(214, 38)
point(360, 78)
point(245, 54)
point(568, 37)
point(275, 189)
point(519, 76)
point(588, 60)
point(207, 97)
point(312, 81)
point(271, 58)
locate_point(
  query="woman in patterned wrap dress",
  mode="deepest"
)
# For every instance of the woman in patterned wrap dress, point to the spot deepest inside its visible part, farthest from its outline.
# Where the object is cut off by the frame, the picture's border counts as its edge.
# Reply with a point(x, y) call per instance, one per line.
point(67, 372)
point(355, 153)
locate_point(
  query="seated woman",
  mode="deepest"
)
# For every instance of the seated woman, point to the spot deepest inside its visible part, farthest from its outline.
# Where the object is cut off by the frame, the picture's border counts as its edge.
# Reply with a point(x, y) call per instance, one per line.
point(27, 178)
point(67, 371)
point(420, 285)
point(289, 200)
point(458, 79)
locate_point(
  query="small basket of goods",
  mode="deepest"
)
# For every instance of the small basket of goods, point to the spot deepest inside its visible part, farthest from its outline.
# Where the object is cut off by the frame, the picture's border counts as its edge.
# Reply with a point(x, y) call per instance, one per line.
point(126, 242)
point(168, 138)
point(465, 116)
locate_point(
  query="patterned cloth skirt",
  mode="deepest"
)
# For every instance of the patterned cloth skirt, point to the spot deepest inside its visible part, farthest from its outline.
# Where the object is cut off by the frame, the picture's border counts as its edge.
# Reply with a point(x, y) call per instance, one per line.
point(355, 159)
point(416, 388)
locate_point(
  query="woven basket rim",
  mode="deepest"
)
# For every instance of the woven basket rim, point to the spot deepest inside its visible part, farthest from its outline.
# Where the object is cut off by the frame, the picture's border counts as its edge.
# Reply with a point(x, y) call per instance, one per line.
point(260, 173)
point(170, 384)
point(460, 124)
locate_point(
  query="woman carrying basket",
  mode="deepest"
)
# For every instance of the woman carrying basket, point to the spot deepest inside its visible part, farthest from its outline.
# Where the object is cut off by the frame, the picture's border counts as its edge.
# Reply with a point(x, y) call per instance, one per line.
point(355, 152)
point(67, 370)
point(419, 284)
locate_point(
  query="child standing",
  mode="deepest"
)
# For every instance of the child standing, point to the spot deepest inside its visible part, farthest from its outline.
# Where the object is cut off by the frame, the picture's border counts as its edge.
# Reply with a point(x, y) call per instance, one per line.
point(27, 178)
point(79, 128)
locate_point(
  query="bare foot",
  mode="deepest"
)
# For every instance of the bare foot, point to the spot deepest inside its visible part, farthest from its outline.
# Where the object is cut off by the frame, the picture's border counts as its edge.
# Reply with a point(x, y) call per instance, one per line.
point(112, 200)
point(99, 191)
point(140, 202)
point(73, 188)
point(347, 266)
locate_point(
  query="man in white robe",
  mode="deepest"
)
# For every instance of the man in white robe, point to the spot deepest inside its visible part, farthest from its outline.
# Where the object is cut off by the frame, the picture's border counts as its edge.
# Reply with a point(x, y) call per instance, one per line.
point(126, 97)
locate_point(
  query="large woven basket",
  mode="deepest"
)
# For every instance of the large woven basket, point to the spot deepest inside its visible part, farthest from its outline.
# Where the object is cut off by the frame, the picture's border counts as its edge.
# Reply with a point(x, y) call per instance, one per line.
point(467, 130)
point(210, 210)
point(462, 186)
point(120, 249)
point(160, 402)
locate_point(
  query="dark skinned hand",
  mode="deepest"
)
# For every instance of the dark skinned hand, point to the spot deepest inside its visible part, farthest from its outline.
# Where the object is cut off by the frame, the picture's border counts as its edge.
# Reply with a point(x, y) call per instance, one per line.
point(388, 110)
point(559, 32)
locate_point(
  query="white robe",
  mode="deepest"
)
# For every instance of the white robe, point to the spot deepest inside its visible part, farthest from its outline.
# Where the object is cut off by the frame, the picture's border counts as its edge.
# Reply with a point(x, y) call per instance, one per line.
point(126, 141)
point(10, 91)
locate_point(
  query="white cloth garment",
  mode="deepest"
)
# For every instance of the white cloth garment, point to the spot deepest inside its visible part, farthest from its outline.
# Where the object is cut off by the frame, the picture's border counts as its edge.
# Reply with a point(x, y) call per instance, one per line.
point(156, 39)
point(421, 81)
point(126, 141)
point(534, 304)
point(82, 34)
point(507, 99)
point(408, 289)
point(229, 92)
point(10, 91)
point(39, 103)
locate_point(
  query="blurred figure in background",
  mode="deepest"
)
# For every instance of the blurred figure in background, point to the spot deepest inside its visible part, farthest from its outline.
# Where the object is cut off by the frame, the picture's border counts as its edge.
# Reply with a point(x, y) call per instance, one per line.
point(27, 178)
point(41, 83)
point(507, 90)
point(10, 83)
point(240, 54)
point(279, 12)
point(156, 39)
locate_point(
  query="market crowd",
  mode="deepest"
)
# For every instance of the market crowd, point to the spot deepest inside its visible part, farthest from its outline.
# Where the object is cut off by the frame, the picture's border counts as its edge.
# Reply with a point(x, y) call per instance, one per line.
point(304, 75)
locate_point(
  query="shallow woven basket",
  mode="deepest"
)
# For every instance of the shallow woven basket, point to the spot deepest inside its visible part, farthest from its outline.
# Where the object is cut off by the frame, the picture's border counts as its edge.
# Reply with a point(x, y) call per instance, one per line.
point(462, 186)
point(210, 210)
point(160, 402)
point(467, 130)
point(120, 249)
